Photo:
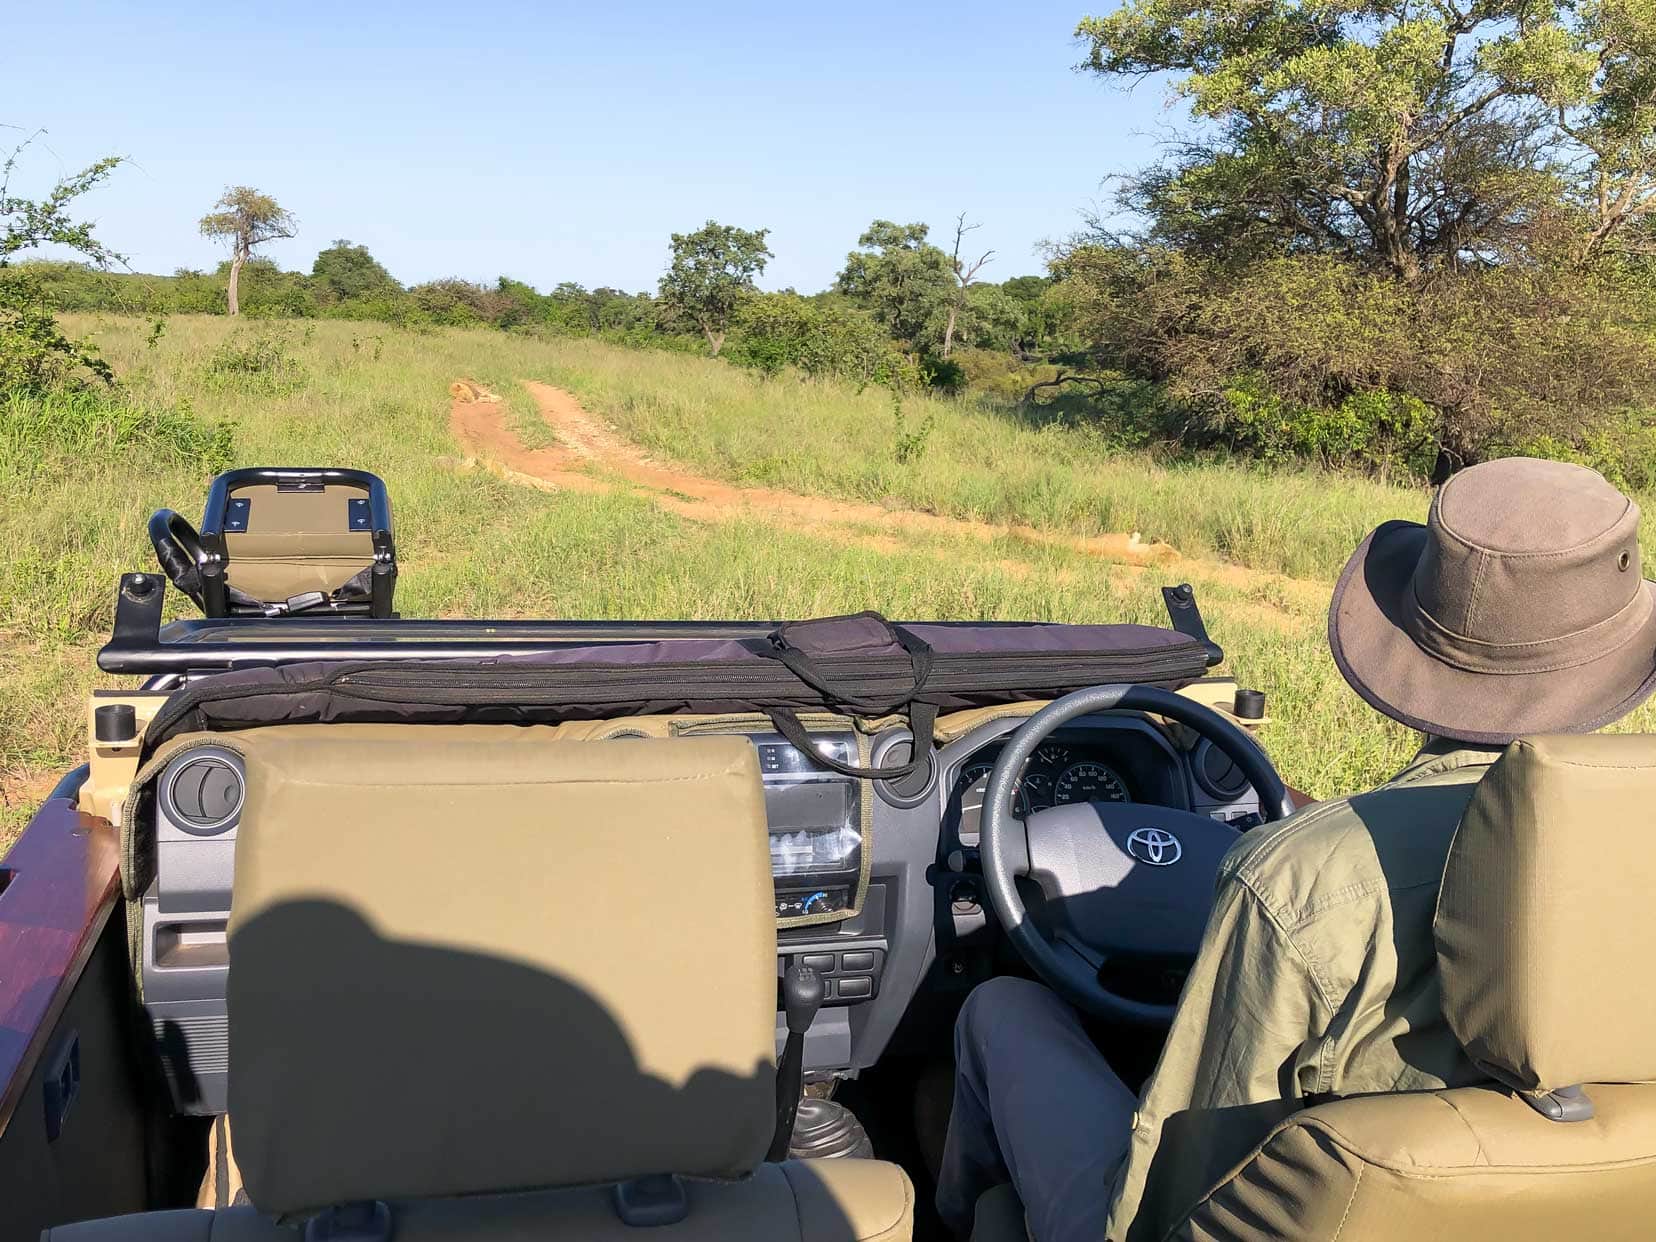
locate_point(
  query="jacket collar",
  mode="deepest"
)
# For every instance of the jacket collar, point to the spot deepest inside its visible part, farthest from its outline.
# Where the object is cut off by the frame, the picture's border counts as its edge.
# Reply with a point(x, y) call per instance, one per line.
point(1443, 754)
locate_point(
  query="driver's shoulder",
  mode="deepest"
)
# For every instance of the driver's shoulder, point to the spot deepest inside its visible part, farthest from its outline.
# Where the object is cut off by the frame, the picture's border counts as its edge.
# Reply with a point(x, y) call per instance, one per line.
point(1341, 850)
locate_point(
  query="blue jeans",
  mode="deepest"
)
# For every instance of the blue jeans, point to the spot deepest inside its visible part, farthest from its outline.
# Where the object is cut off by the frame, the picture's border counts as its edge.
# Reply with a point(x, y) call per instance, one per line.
point(1036, 1104)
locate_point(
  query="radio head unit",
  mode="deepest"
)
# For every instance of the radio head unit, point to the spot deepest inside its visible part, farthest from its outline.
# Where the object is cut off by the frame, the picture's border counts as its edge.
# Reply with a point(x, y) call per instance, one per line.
point(815, 823)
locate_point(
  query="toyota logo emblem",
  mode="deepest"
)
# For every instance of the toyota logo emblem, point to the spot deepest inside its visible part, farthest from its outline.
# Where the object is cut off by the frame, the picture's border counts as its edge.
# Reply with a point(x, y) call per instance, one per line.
point(1154, 846)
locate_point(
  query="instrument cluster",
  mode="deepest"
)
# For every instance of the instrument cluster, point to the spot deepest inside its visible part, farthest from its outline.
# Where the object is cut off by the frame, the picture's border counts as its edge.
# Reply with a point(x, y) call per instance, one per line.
point(1059, 773)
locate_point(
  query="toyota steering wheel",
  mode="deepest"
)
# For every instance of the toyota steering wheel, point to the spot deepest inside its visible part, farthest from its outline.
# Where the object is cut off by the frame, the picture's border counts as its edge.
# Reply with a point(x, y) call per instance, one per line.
point(1121, 880)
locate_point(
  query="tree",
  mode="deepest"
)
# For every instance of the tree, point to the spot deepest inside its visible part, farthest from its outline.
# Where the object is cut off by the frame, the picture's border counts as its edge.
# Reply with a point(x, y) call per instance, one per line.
point(1315, 355)
point(712, 271)
point(28, 223)
point(1409, 135)
point(458, 302)
point(899, 276)
point(964, 274)
point(35, 355)
point(821, 338)
point(345, 270)
point(245, 219)
point(1045, 313)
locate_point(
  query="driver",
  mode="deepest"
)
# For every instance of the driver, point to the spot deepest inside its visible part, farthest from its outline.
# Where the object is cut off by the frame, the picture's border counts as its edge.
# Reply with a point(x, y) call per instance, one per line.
point(1517, 609)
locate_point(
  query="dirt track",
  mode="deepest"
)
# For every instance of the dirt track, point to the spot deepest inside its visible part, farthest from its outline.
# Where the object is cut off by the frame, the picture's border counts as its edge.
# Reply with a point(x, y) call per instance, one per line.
point(587, 445)
point(589, 456)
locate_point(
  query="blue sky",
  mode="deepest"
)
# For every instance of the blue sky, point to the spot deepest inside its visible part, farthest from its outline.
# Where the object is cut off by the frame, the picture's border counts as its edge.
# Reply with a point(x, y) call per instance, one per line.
point(565, 142)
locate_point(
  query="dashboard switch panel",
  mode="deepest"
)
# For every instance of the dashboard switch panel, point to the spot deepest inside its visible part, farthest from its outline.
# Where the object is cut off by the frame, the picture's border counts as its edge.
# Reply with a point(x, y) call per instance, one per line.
point(848, 975)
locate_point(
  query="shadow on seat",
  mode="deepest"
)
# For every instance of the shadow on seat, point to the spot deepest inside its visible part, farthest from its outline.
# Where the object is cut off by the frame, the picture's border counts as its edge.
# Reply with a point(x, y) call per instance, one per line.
point(466, 1016)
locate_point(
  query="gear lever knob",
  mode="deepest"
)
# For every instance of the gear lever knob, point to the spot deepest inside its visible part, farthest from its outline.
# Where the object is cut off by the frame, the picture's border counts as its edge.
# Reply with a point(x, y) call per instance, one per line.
point(801, 998)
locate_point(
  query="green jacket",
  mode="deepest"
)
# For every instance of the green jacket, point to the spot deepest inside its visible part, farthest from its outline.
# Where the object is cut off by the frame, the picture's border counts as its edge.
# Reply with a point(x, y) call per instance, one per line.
point(1317, 977)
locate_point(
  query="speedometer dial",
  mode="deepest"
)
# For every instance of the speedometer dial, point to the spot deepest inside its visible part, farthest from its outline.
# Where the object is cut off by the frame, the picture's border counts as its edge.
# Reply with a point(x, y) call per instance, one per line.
point(974, 780)
point(1088, 782)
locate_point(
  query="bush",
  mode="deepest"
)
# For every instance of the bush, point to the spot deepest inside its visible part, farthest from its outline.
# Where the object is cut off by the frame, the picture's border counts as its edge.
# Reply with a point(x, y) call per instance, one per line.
point(945, 375)
point(824, 340)
point(1115, 412)
point(37, 431)
point(35, 356)
point(1382, 431)
point(1319, 357)
point(460, 303)
point(255, 361)
point(998, 374)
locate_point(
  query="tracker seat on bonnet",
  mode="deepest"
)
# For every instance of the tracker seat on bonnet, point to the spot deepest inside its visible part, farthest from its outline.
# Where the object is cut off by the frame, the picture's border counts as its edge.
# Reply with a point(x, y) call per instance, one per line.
point(277, 540)
point(1547, 967)
point(485, 984)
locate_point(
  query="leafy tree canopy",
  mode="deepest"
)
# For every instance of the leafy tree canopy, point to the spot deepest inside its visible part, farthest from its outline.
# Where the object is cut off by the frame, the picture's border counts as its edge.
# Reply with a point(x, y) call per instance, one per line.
point(346, 270)
point(1412, 135)
point(28, 223)
point(35, 354)
point(904, 280)
point(712, 271)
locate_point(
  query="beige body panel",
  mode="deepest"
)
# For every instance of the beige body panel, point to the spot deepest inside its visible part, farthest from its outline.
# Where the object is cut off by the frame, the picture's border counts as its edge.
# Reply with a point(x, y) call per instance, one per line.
point(113, 765)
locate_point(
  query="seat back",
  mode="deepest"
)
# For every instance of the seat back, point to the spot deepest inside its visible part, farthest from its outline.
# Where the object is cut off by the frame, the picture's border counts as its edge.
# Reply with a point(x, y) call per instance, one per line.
point(284, 535)
point(507, 962)
point(1545, 934)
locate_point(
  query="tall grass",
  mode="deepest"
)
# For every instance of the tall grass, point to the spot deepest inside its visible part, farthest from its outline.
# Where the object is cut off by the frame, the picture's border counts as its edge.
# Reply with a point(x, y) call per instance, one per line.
point(983, 459)
point(77, 485)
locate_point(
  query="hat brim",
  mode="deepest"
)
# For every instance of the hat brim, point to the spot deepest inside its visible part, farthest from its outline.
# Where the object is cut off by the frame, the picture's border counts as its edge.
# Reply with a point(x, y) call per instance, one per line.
point(1397, 678)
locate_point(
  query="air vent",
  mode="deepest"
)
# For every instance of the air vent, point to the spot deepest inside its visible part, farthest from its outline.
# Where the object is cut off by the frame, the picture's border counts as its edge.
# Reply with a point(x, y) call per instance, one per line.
point(1217, 772)
point(205, 794)
point(892, 750)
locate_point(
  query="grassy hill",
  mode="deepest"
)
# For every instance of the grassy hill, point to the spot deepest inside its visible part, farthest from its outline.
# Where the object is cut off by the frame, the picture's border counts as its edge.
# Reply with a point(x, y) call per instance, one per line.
point(78, 484)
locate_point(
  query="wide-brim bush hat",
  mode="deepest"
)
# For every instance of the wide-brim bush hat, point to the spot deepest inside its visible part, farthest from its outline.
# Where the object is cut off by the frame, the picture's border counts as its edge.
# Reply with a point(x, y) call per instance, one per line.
point(1518, 608)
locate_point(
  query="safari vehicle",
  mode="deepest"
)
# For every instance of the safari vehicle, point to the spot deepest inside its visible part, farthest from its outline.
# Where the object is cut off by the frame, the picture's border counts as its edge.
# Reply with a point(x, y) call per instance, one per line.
point(563, 929)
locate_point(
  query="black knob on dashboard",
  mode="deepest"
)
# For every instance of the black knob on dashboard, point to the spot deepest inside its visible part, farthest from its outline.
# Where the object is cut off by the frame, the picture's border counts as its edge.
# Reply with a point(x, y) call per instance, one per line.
point(801, 998)
point(115, 722)
point(1249, 705)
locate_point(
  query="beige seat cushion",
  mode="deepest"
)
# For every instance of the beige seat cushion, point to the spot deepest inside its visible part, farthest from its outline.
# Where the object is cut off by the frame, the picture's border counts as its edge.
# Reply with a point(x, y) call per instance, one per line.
point(1470, 1164)
point(801, 1201)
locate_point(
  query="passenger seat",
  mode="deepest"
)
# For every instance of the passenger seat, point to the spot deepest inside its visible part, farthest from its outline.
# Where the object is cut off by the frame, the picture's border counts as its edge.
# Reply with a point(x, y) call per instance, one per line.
point(499, 987)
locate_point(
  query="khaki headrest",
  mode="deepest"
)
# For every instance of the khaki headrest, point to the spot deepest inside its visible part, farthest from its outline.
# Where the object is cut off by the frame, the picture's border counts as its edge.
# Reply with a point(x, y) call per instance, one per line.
point(467, 959)
point(1546, 925)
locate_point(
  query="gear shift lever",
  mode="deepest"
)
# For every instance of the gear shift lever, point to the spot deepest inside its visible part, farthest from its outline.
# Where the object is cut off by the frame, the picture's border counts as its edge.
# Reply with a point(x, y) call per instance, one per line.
point(801, 998)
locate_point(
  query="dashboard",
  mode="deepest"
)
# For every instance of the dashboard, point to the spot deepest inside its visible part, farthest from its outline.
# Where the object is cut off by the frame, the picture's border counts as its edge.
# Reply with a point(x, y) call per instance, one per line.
point(1079, 765)
point(878, 884)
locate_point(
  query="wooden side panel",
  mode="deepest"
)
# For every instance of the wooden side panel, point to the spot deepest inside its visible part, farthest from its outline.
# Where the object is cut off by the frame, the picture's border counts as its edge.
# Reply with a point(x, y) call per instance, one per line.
point(61, 882)
point(95, 1166)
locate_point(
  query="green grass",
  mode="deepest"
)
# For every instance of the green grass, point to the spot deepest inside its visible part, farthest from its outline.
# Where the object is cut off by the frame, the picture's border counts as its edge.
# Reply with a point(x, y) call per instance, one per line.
point(981, 461)
point(74, 497)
